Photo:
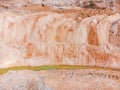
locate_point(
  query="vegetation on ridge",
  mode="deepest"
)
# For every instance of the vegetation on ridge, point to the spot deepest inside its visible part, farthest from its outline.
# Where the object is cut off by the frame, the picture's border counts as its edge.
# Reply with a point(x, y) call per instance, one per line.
point(52, 67)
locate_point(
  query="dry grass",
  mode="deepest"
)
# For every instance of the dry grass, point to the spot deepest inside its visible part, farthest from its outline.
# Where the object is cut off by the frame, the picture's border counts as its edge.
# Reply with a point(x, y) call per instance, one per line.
point(56, 67)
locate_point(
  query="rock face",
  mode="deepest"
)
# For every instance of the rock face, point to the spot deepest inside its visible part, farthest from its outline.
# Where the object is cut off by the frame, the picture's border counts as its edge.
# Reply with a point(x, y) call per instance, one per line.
point(44, 36)
point(60, 79)
point(60, 32)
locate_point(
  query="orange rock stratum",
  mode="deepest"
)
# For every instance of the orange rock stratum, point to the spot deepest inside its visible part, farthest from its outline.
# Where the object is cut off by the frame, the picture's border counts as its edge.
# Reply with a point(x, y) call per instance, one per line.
point(43, 33)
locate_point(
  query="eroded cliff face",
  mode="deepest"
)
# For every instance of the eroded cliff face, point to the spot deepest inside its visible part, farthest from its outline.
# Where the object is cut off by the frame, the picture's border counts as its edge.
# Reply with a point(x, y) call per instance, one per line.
point(40, 35)
point(52, 38)
point(60, 32)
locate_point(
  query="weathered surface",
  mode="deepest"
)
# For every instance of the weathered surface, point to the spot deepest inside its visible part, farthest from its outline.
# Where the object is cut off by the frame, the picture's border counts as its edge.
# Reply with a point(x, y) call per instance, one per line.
point(97, 4)
point(60, 32)
point(52, 38)
point(32, 33)
point(60, 79)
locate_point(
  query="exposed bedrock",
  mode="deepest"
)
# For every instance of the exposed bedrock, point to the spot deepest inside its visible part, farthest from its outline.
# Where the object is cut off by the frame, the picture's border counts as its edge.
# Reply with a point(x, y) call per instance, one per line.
point(48, 38)
point(60, 79)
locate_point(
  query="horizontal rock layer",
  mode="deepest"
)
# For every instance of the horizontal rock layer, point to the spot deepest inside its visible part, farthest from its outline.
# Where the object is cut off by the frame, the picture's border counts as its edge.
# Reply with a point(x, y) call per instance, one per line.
point(48, 38)
point(60, 79)
point(93, 4)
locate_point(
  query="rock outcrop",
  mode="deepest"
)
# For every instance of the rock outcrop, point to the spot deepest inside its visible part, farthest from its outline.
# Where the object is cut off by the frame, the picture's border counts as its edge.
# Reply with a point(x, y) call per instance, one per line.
point(60, 79)
point(60, 32)
point(46, 36)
